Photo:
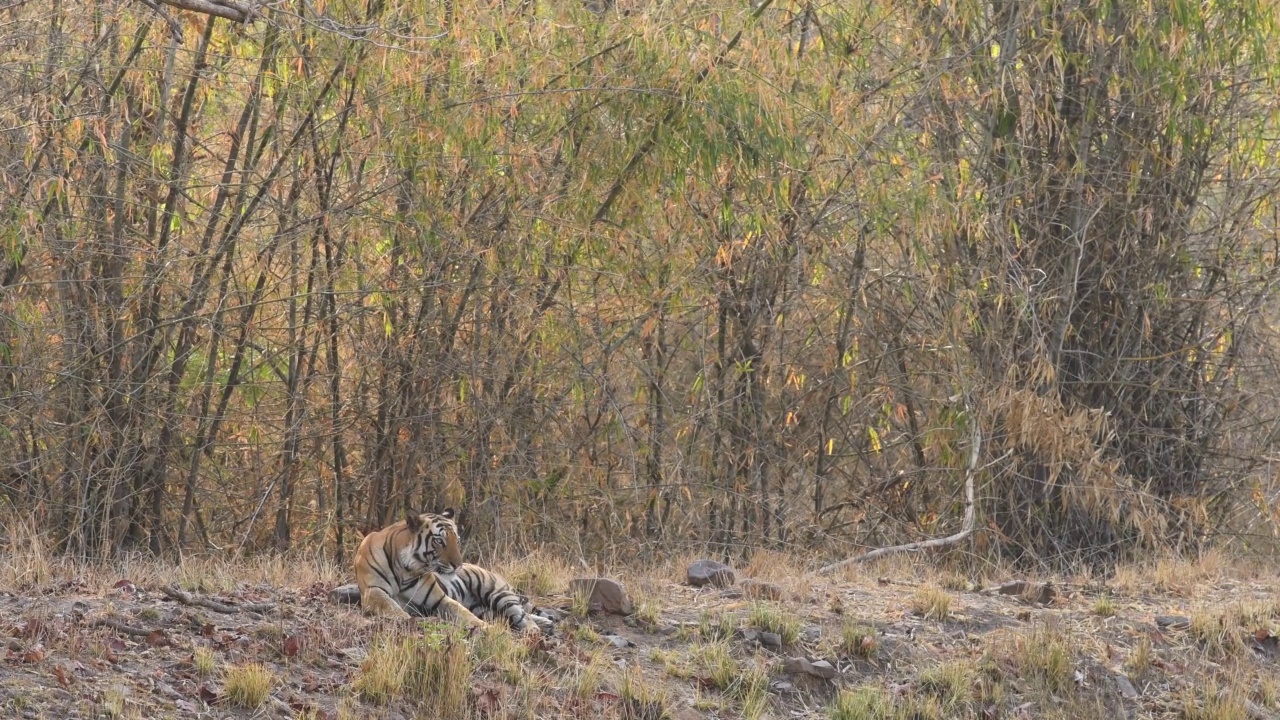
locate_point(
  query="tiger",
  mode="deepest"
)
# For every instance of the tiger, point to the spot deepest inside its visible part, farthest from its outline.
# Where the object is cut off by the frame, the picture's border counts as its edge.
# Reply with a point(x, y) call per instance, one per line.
point(485, 593)
point(397, 566)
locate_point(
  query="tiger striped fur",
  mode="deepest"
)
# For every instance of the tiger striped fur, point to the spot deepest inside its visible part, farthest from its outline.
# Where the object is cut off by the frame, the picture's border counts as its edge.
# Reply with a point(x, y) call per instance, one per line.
point(396, 569)
point(486, 594)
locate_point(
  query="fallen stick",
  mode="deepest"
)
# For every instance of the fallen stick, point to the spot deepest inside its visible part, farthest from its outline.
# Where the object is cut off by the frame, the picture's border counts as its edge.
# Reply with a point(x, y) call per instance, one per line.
point(966, 526)
point(121, 626)
point(187, 598)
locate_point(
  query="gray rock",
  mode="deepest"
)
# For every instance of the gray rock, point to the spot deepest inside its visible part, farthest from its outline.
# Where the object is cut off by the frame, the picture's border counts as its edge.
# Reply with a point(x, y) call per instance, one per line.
point(773, 640)
point(1126, 688)
point(346, 594)
point(710, 572)
point(748, 634)
point(817, 668)
point(1173, 622)
point(760, 590)
point(1013, 587)
point(603, 595)
point(618, 641)
point(822, 669)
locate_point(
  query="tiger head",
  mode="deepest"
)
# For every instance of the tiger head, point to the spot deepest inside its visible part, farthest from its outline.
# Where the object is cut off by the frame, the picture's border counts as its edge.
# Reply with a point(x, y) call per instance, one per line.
point(434, 546)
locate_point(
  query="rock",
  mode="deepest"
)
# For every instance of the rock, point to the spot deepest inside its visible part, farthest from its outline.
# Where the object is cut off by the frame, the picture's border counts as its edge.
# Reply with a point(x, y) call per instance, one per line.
point(781, 686)
point(710, 572)
point(618, 641)
point(822, 669)
point(760, 590)
point(772, 640)
point(1173, 622)
point(818, 668)
point(603, 595)
point(345, 594)
point(1043, 595)
point(1013, 587)
point(748, 634)
point(812, 633)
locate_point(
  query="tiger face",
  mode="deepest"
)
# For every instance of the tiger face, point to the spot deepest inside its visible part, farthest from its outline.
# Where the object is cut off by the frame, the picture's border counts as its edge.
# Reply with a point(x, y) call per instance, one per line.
point(434, 546)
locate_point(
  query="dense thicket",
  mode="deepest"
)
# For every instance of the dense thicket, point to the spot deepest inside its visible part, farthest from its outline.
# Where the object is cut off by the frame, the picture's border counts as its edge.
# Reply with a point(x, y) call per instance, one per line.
point(637, 273)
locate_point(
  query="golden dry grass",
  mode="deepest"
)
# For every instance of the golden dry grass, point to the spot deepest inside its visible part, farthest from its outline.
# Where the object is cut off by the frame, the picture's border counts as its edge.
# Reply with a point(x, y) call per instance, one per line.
point(248, 685)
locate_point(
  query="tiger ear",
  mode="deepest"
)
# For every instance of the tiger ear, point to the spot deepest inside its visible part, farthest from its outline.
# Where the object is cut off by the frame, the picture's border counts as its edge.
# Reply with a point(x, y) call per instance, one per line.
point(448, 513)
point(413, 520)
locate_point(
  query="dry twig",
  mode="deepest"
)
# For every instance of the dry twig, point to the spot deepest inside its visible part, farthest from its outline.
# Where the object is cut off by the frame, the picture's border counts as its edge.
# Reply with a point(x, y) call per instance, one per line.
point(966, 527)
point(121, 626)
point(229, 9)
point(187, 598)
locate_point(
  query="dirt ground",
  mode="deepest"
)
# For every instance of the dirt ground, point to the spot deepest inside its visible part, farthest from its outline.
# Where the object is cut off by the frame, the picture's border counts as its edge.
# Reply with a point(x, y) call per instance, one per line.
point(1171, 639)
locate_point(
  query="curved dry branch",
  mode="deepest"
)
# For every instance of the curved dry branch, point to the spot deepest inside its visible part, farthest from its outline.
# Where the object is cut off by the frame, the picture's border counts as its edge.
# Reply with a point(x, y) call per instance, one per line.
point(229, 9)
point(966, 527)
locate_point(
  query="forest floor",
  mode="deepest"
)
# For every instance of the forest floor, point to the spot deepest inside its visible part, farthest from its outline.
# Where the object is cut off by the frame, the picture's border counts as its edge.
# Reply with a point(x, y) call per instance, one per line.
point(898, 639)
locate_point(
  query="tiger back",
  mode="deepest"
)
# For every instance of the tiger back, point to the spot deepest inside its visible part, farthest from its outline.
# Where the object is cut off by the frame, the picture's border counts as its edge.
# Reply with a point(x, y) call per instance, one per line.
point(487, 594)
point(396, 568)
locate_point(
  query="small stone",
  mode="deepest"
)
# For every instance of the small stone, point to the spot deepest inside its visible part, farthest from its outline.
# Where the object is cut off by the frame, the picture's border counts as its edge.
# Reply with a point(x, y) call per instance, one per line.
point(822, 669)
point(1044, 595)
point(1013, 587)
point(1173, 622)
point(773, 640)
point(604, 595)
point(710, 572)
point(795, 666)
point(1126, 688)
point(346, 594)
point(760, 590)
point(801, 666)
point(618, 641)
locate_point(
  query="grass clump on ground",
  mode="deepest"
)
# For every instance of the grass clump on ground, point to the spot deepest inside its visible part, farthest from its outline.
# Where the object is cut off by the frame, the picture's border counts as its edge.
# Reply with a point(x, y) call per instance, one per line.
point(433, 669)
point(768, 617)
point(248, 686)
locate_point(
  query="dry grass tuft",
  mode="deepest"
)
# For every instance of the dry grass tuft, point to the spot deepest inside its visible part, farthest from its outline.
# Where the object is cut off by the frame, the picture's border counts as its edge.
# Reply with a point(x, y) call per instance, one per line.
point(931, 602)
point(434, 669)
point(715, 626)
point(769, 617)
point(1044, 658)
point(864, 703)
point(1140, 660)
point(248, 686)
point(716, 665)
point(113, 699)
point(948, 683)
point(648, 611)
point(537, 574)
point(204, 660)
point(1104, 606)
point(1218, 632)
point(858, 640)
point(1170, 575)
point(640, 701)
point(24, 553)
point(590, 675)
point(1210, 703)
